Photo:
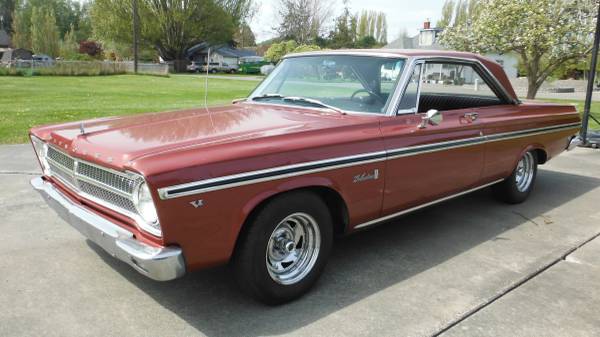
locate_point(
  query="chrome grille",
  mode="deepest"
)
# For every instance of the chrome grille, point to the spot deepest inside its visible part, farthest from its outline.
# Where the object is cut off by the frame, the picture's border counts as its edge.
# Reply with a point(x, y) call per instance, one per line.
point(105, 195)
point(98, 184)
point(60, 158)
point(119, 182)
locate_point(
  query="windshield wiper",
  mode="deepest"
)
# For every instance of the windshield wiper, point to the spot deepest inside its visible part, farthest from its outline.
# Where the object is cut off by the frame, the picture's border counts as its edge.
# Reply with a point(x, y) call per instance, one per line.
point(299, 99)
point(266, 96)
point(312, 101)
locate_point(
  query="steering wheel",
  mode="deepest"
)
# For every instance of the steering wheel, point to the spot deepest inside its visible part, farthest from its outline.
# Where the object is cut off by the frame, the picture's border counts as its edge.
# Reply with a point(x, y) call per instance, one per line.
point(371, 93)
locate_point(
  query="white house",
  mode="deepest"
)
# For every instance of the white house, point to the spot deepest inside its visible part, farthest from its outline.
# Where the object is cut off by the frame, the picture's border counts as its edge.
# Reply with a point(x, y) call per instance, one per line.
point(428, 39)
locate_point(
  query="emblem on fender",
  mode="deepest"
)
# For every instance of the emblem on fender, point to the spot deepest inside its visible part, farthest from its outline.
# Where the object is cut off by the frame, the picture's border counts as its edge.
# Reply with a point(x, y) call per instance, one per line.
point(197, 203)
point(366, 176)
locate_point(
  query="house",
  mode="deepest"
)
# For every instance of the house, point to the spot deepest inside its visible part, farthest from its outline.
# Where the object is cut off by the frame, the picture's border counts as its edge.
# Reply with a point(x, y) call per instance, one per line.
point(11, 55)
point(428, 38)
point(218, 53)
point(5, 42)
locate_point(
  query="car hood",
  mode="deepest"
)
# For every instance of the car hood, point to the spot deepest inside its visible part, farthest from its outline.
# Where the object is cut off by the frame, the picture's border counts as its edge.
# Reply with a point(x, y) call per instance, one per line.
point(117, 141)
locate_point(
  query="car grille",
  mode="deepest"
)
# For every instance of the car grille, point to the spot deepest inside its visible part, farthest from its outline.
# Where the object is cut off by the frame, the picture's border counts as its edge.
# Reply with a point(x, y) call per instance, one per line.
point(104, 186)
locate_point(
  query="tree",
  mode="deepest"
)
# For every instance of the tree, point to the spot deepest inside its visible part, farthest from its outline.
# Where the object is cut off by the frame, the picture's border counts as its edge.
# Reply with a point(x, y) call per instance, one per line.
point(169, 26)
point(244, 37)
point(7, 9)
point(68, 46)
point(447, 15)
point(545, 33)
point(44, 32)
point(303, 20)
point(279, 50)
point(344, 33)
point(374, 24)
point(21, 27)
point(91, 48)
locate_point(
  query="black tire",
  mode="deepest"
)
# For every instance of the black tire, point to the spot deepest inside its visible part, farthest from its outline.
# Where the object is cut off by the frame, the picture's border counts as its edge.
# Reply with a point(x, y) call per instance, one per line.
point(251, 259)
point(513, 190)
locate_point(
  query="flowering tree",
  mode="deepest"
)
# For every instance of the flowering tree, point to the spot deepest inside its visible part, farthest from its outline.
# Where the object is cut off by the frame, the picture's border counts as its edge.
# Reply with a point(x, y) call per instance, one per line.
point(544, 33)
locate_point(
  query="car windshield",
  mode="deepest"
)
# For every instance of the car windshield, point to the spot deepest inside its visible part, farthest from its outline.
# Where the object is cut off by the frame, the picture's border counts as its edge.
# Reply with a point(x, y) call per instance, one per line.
point(342, 82)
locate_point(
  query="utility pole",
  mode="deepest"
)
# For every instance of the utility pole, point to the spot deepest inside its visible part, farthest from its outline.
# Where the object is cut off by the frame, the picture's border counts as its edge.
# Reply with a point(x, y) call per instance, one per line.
point(135, 35)
point(590, 85)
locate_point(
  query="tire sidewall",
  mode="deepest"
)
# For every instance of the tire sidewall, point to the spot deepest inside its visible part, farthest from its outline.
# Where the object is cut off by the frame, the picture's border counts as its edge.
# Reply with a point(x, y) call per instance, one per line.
point(514, 195)
point(258, 237)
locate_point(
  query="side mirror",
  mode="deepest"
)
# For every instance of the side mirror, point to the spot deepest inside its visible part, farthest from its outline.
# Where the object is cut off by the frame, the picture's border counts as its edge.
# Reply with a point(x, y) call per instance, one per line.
point(433, 117)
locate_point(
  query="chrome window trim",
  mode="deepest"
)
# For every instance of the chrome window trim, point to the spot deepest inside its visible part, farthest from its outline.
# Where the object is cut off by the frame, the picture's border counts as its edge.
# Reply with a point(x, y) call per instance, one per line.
point(406, 83)
point(395, 102)
point(166, 193)
point(386, 108)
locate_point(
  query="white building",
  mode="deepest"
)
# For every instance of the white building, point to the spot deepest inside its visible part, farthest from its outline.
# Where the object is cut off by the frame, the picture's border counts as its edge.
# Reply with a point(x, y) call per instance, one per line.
point(428, 39)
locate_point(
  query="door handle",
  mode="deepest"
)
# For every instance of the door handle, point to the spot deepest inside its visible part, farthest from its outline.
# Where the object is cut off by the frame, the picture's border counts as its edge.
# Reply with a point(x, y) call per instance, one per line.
point(472, 116)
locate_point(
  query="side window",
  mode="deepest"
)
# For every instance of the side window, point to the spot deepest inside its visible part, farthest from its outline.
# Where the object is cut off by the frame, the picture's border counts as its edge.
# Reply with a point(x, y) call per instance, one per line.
point(411, 94)
point(449, 86)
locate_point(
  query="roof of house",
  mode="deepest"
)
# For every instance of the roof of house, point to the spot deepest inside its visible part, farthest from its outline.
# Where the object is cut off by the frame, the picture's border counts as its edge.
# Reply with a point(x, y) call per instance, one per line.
point(224, 50)
point(4, 38)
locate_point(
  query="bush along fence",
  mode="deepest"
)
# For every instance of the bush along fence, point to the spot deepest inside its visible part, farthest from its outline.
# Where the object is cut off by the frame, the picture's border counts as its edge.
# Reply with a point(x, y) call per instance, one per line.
point(79, 68)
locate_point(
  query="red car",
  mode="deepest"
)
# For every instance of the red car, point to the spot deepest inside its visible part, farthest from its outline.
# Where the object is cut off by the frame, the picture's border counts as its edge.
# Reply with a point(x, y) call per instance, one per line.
point(329, 143)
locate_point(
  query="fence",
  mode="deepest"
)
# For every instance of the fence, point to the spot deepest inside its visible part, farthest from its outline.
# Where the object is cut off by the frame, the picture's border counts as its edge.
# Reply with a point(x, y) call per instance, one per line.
point(79, 68)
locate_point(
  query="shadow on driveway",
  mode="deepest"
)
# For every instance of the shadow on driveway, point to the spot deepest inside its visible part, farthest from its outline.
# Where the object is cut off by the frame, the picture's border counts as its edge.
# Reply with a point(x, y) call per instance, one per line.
point(362, 264)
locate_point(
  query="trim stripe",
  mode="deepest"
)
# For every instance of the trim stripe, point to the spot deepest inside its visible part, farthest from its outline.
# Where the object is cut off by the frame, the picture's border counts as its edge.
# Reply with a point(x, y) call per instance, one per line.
point(281, 172)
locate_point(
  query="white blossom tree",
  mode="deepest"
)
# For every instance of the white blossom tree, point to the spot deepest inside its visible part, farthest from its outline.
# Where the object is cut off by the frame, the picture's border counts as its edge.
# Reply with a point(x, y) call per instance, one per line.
point(544, 33)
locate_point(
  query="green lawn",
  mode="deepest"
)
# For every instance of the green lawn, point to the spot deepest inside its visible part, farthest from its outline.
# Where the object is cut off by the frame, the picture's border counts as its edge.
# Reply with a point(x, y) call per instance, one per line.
point(30, 101)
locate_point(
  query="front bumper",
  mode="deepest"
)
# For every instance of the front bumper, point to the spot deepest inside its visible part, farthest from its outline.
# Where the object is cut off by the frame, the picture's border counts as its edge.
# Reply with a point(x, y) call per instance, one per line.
point(157, 263)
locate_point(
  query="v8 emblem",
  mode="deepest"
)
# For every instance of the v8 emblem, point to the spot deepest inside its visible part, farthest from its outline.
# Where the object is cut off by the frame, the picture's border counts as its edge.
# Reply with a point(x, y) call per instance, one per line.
point(197, 203)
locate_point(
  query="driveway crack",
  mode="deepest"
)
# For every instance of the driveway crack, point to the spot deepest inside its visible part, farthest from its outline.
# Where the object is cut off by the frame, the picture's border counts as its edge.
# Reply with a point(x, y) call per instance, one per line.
point(516, 285)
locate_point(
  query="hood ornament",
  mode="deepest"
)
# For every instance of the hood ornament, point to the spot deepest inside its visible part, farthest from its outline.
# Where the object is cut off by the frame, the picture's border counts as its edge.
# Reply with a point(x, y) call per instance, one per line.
point(81, 128)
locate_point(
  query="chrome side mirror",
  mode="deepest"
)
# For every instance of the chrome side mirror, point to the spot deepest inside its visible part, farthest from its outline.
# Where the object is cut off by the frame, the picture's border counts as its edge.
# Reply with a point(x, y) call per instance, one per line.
point(433, 117)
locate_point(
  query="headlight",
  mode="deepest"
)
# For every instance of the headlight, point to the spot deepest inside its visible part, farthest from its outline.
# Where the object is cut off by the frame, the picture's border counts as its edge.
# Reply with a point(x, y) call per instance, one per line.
point(145, 207)
point(41, 150)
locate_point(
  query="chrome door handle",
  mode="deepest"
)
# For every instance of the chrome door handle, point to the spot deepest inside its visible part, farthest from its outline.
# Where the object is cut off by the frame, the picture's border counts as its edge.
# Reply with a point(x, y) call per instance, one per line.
point(472, 116)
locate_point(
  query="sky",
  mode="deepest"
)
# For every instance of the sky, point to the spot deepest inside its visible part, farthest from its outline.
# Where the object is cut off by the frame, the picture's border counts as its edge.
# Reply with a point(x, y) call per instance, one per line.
point(401, 14)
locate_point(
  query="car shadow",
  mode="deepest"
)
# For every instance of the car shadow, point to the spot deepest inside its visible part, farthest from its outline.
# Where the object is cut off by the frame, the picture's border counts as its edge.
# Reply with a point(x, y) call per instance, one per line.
point(361, 264)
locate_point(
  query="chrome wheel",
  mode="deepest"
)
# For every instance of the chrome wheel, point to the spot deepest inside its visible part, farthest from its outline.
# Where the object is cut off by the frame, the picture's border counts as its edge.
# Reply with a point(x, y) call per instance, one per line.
point(525, 171)
point(293, 248)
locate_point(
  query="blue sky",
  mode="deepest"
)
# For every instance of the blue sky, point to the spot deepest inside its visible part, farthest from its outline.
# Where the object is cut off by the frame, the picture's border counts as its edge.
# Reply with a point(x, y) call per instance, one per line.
point(401, 14)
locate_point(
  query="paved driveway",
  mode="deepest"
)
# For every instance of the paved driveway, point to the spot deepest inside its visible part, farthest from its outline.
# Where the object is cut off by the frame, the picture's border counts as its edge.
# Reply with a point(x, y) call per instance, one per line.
point(470, 266)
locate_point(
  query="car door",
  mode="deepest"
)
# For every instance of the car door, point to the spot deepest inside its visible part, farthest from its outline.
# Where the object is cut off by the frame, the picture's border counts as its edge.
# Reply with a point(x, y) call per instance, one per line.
point(428, 161)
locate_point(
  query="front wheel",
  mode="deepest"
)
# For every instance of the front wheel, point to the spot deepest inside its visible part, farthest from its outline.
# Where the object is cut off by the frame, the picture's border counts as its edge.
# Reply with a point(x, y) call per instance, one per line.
point(516, 188)
point(285, 248)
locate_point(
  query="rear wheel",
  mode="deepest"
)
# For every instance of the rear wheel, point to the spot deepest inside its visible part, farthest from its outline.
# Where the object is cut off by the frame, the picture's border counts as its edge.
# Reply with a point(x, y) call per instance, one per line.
point(517, 187)
point(285, 248)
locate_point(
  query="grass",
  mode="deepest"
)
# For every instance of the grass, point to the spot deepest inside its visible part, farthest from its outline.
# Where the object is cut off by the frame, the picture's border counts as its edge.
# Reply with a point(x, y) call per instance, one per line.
point(31, 101)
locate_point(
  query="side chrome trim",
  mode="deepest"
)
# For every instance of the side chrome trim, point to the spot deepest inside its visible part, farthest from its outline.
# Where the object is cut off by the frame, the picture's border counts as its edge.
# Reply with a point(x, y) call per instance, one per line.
point(281, 172)
point(431, 203)
point(268, 174)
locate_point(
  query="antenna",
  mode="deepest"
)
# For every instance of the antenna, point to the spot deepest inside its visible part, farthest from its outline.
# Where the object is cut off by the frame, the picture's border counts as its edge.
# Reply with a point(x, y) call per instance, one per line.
point(206, 82)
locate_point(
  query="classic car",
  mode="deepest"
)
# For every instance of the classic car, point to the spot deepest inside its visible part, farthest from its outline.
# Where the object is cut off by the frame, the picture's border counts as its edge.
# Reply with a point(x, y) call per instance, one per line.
point(329, 143)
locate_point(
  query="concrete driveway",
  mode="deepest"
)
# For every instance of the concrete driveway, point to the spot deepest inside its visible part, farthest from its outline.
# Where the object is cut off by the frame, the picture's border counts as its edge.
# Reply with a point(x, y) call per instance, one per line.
point(470, 266)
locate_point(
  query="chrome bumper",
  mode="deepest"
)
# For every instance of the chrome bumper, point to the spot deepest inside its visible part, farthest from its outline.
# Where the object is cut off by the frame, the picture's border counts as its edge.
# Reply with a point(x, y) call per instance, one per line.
point(574, 142)
point(157, 263)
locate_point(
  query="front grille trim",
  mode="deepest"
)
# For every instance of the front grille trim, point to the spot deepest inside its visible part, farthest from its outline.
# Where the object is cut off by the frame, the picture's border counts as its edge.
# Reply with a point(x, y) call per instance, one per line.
point(118, 199)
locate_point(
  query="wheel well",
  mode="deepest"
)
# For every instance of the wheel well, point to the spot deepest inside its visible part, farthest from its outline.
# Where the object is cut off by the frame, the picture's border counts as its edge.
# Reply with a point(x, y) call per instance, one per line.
point(541, 155)
point(333, 200)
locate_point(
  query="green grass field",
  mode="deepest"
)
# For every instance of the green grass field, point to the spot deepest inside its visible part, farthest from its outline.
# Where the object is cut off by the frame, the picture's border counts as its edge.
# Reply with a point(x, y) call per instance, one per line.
point(30, 101)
